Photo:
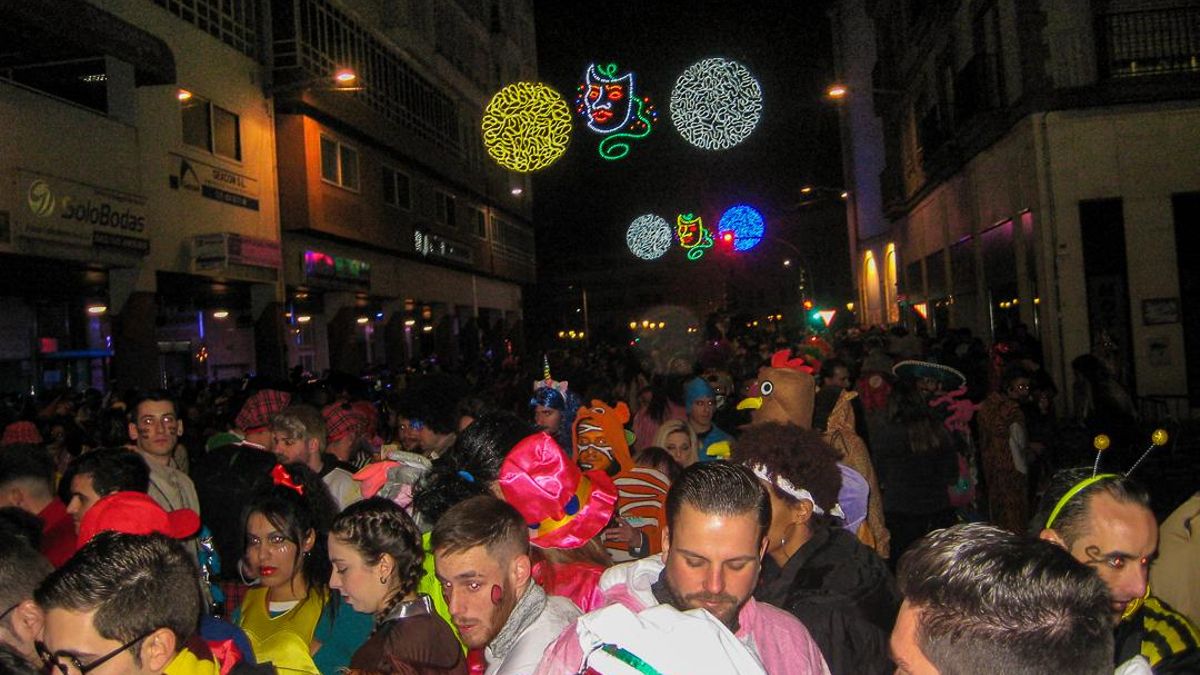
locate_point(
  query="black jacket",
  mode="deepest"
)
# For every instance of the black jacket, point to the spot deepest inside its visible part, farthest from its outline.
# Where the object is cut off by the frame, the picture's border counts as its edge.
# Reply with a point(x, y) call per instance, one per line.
point(843, 593)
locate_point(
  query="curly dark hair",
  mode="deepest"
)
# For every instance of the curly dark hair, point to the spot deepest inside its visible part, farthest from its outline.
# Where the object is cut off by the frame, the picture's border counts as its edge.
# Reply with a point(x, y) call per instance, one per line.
point(377, 526)
point(800, 456)
point(470, 467)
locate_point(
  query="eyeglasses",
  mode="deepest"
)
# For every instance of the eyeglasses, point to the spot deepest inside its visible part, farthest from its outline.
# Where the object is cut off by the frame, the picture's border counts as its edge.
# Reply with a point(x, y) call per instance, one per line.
point(72, 665)
point(415, 425)
point(8, 611)
point(150, 421)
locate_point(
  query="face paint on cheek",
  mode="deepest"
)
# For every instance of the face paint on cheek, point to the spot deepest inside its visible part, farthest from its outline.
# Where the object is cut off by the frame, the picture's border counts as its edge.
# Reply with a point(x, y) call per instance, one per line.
point(497, 594)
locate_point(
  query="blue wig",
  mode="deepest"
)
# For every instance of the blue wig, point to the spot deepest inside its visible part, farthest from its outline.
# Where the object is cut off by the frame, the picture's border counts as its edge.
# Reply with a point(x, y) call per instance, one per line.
point(567, 404)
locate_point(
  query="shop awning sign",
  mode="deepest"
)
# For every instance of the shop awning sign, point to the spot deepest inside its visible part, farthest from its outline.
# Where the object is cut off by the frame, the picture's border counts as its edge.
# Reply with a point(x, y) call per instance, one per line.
point(214, 182)
point(64, 211)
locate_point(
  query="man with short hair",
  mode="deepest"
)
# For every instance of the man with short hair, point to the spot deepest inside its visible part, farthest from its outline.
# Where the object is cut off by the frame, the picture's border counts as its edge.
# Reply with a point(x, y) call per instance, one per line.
point(298, 435)
point(701, 403)
point(717, 519)
point(979, 599)
point(97, 474)
point(22, 568)
point(155, 428)
point(1104, 521)
point(481, 555)
point(26, 482)
point(129, 603)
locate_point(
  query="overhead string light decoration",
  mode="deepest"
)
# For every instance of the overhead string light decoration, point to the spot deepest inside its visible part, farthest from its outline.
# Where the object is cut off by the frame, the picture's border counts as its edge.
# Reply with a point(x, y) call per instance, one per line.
point(744, 224)
point(649, 236)
point(693, 236)
point(612, 106)
point(716, 103)
point(526, 126)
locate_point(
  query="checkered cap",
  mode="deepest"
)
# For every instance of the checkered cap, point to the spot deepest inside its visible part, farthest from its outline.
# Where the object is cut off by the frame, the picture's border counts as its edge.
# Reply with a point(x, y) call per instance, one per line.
point(21, 432)
point(260, 407)
point(341, 420)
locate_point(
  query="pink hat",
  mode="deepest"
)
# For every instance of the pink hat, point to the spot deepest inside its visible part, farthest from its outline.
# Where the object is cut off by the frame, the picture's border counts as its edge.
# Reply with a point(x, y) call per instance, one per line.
point(136, 513)
point(563, 506)
point(21, 432)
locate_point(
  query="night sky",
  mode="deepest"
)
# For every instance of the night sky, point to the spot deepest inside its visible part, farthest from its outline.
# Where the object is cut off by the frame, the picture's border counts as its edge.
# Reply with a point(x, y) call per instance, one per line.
point(584, 203)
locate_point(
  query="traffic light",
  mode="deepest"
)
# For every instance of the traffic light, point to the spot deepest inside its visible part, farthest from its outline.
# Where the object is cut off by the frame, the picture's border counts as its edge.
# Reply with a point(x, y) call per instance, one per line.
point(808, 304)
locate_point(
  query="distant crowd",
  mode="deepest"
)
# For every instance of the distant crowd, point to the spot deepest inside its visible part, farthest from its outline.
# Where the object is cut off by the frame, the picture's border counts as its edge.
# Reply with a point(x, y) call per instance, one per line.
point(760, 501)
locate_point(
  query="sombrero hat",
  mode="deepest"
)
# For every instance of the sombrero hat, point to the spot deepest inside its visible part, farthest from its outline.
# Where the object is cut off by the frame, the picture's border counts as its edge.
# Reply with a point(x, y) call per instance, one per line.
point(949, 377)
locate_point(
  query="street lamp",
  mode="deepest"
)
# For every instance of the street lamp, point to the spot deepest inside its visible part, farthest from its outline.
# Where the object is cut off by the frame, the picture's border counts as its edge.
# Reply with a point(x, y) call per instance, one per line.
point(343, 79)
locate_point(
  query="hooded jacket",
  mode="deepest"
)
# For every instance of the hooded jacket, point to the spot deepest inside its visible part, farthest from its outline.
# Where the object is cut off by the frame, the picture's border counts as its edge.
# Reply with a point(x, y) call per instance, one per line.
point(844, 595)
point(777, 639)
point(641, 491)
point(840, 433)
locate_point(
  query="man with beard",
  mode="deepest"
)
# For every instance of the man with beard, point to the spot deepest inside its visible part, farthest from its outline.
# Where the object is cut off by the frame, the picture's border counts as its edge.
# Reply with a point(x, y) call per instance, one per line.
point(1104, 521)
point(717, 520)
point(481, 554)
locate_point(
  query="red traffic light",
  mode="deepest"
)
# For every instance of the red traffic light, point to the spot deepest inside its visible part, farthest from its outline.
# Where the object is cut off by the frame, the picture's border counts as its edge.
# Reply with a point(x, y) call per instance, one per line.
point(808, 304)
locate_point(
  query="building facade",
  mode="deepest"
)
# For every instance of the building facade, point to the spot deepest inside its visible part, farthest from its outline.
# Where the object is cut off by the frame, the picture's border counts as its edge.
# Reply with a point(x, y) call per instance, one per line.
point(401, 240)
point(1025, 162)
point(185, 197)
point(135, 132)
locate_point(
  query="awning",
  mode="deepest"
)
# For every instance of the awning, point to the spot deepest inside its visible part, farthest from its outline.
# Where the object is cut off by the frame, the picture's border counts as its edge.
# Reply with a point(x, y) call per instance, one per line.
point(37, 31)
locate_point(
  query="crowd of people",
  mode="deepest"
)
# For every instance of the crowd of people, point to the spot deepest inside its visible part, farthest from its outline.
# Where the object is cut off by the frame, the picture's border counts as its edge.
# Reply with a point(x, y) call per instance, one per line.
point(762, 502)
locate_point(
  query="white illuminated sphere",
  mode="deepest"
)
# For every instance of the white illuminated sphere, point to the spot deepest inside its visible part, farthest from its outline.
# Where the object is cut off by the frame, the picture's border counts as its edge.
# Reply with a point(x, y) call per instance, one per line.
point(649, 236)
point(716, 104)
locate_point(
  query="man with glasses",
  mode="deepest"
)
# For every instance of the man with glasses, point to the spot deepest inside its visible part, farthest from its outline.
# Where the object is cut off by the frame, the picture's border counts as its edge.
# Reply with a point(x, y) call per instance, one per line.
point(124, 604)
point(155, 429)
point(22, 568)
point(1002, 446)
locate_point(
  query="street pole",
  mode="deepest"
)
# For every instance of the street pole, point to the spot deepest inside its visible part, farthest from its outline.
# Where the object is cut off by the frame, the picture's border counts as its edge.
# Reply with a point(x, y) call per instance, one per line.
point(587, 329)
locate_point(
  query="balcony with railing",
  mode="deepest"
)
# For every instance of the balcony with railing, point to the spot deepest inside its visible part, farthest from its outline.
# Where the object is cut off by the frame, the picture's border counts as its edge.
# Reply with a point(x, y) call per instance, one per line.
point(1150, 42)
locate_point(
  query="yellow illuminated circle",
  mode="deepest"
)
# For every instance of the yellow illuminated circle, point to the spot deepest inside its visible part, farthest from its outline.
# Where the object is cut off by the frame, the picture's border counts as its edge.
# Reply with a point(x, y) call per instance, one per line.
point(526, 126)
point(1101, 442)
point(1159, 437)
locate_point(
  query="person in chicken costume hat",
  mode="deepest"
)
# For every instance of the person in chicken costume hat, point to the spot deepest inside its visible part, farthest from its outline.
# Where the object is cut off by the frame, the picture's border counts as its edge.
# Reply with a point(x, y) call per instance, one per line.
point(601, 444)
point(783, 392)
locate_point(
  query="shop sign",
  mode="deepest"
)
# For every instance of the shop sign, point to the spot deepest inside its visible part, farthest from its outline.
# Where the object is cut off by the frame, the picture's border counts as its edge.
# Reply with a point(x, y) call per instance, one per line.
point(213, 182)
point(320, 266)
point(436, 245)
point(219, 251)
point(68, 212)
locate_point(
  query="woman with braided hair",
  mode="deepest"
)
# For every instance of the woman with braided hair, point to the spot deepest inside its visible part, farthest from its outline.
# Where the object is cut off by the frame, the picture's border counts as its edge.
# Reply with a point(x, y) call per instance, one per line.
point(376, 552)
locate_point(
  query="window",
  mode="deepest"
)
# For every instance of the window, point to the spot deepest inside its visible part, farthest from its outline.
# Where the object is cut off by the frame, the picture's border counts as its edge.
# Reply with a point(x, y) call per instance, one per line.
point(397, 188)
point(478, 223)
point(211, 128)
point(445, 209)
point(339, 163)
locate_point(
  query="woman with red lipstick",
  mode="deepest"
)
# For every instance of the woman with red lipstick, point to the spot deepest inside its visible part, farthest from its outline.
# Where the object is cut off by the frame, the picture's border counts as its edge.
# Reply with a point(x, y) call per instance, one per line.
point(291, 617)
point(376, 553)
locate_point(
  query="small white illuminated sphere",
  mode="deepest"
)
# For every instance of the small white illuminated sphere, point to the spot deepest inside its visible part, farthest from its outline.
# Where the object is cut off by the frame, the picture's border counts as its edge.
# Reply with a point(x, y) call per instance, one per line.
point(716, 104)
point(649, 236)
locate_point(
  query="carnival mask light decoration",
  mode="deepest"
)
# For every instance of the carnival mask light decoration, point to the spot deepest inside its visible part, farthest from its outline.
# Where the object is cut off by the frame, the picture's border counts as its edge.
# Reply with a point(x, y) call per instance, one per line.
point(693, 236)
point(612, 106)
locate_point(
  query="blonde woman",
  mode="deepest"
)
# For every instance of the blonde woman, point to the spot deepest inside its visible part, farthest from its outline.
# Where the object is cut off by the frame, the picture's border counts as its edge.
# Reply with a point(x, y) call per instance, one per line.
point(678, 439)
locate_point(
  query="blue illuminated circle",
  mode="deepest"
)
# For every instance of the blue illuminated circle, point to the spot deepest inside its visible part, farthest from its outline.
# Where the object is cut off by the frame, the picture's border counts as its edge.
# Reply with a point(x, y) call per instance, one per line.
point(649, 236)
point(746, 225)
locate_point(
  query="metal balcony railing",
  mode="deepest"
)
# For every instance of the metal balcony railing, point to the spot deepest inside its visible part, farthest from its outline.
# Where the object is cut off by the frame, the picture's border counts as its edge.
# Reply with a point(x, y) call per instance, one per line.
point(1151, 42)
